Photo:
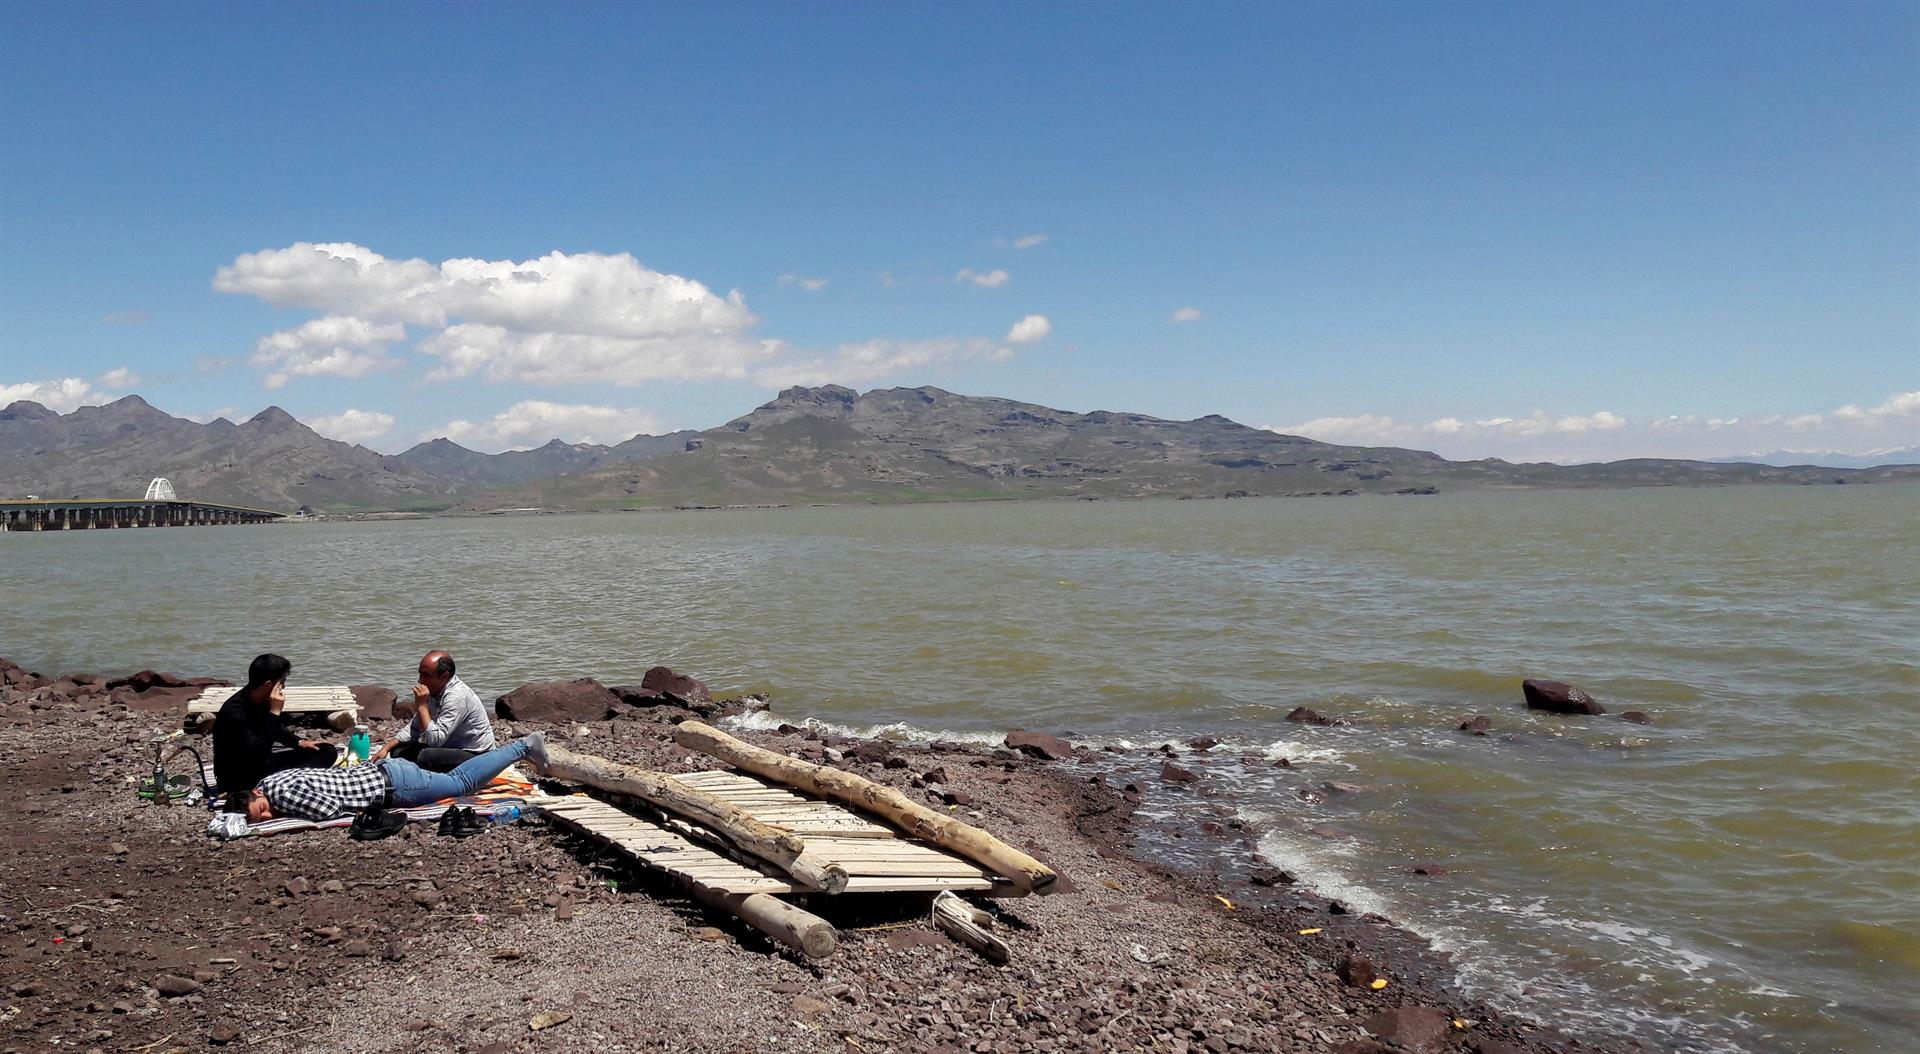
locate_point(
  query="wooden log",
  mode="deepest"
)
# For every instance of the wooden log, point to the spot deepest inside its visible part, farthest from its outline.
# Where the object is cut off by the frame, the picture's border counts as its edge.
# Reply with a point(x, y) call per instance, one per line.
point(1023, 871)
point(783, 849)
point(794, 927)
point(960, 921)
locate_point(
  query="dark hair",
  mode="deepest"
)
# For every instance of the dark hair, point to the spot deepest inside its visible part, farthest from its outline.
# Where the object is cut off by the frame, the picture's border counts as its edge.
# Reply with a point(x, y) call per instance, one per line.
point(266, 669)
point(443, 666)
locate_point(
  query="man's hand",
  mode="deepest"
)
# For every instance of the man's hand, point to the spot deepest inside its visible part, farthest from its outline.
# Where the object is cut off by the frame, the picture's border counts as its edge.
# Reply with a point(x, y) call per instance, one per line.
point(277, 698)
point(312, 744)
point(385, 749)
point(422, 716)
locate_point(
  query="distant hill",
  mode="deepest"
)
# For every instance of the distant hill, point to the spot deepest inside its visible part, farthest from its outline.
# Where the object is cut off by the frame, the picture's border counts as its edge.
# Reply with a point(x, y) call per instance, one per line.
point(826, 444)
point(831, 444)
point(1828, 459)
point(270, 460)
point(450, 460)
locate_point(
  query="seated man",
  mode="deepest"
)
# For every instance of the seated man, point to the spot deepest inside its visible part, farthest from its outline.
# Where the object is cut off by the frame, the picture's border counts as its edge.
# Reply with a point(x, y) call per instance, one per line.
point(249, 726)
point(321, 794)
point(449, 722)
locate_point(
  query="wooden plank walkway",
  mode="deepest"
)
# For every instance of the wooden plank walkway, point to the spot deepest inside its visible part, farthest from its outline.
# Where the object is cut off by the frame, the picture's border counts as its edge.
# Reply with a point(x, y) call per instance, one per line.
point(657, 847)
point(808, 817)
point(303, 700)
point(877, 859)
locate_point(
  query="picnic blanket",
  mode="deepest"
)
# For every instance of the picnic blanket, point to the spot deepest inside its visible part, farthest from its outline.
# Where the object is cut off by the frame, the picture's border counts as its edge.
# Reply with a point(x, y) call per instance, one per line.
point(508, 790)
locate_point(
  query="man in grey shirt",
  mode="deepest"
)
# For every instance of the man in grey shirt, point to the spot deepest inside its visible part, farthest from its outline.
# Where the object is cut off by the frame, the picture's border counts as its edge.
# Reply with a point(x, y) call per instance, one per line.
point(449, 723)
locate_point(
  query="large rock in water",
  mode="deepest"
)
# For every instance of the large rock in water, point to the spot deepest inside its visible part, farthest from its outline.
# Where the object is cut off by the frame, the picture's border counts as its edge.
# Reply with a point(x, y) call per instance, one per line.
point(583, 700)
point(1040, 745)
point(147, 680)
point(1558, 697)
point(675, 686)
point(376, 702)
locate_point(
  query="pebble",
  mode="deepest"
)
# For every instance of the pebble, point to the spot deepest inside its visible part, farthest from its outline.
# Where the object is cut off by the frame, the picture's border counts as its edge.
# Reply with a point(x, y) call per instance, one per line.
point(174, 986)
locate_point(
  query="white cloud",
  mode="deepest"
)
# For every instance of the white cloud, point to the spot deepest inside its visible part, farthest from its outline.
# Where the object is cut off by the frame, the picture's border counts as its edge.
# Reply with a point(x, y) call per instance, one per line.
point(586, 317)
point(1603, 436)
point(534, 422)
point(227, 412)
point(1030, 329)
point(352, 426)
point(993, 279)
point(120, 378)
point(334, 346)
point(874, 359)
point(1023, 241)
point(62, 396)
point(1188, 314)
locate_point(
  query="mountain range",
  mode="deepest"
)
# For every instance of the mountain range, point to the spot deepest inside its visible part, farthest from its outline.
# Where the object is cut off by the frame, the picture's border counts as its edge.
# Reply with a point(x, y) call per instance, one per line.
point(824, 444)
point(1828, 458)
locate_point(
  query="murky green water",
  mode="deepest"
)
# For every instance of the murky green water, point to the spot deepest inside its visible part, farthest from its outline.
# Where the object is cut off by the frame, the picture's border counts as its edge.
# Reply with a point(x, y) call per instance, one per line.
point(1743, 873)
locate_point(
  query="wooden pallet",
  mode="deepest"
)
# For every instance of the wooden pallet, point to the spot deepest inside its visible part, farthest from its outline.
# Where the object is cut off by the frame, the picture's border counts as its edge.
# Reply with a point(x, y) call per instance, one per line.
point(876, 858)
point(303, 700)
point(809, 818)
point(657, 847)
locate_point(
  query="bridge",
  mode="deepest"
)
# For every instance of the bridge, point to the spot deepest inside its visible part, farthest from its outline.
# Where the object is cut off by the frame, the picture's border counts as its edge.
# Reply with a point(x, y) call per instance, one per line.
point(159, 507)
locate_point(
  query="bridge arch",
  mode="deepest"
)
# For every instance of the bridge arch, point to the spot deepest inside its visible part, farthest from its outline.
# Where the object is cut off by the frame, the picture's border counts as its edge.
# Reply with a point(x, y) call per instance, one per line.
point(161, 489)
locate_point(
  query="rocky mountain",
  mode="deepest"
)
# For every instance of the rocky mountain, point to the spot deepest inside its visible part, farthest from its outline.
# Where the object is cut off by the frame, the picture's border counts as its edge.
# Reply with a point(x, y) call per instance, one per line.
point(831, 444)
point(827, 444)
point(449, 460)
point(270, 460)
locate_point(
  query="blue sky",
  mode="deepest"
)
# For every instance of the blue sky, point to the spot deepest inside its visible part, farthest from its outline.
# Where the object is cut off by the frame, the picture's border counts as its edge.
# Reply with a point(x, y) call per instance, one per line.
point(1520, 230)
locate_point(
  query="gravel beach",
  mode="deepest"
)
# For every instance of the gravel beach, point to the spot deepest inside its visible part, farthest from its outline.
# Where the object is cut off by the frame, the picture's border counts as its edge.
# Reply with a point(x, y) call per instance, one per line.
point(124, 927)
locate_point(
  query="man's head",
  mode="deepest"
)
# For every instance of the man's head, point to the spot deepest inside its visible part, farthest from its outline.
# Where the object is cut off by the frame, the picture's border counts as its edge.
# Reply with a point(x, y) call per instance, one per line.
point(259, 810)
point(267, 670)
point(436, 669)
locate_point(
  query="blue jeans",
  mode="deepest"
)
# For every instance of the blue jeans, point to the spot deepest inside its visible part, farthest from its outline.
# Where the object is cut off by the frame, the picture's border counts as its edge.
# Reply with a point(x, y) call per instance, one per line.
point(413, 785)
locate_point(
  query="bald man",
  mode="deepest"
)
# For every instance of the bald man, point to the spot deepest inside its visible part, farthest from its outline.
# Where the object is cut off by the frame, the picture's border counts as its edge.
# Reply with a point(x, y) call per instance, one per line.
point(449, 723)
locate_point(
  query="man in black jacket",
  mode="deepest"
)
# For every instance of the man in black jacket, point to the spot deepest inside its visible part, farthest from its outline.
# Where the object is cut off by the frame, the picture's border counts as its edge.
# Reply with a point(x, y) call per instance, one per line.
point(249, 727)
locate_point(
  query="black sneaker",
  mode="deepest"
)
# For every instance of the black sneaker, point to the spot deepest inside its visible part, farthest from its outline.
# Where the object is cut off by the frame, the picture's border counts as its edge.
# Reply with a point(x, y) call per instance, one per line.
point(373, 823)
point(448, 817)
point(470, 824)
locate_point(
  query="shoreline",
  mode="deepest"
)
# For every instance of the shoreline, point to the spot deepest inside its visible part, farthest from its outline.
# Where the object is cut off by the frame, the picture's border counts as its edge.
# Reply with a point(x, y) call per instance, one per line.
point(1132, 954)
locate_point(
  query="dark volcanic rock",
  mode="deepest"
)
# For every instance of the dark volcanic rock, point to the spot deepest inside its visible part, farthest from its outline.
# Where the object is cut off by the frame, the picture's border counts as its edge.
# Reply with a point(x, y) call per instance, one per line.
point(1558, 697)
point(1638, 717)
point(147, 680)
point(376, 703)
point(1203, 742)
point(1478, 724)
point(583, 700)
point(174, 986)
point(678, 687)
point(1420, 1029)
point(1173, 773)
point(1309, 717)
point(1356, 970)
point(1039, 745)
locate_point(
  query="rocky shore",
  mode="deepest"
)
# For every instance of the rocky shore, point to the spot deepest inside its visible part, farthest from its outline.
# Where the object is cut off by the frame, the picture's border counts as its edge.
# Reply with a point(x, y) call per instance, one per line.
point(123, 927)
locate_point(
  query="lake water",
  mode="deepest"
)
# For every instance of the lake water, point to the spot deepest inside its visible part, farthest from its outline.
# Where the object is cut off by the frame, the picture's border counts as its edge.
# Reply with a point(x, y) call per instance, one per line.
point(1744, 874)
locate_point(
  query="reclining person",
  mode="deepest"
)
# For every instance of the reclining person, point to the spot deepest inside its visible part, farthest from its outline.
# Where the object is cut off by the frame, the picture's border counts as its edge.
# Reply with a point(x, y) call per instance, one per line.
point(249, 727)
point(449, 722)
point(322, 794)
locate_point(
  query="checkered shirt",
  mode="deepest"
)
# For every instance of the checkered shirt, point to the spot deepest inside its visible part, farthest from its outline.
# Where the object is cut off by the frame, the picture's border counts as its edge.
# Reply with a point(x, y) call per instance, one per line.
point(321, 794)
